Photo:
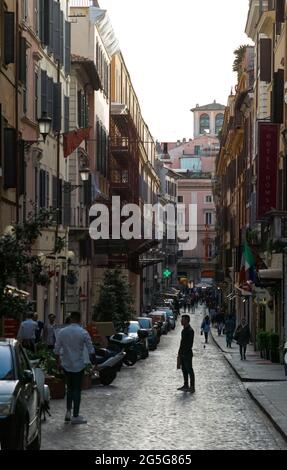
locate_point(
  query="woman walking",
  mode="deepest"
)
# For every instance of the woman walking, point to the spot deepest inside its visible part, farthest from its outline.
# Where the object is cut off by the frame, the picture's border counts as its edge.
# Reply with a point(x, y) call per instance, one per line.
point(242, 336)
point(205, 328)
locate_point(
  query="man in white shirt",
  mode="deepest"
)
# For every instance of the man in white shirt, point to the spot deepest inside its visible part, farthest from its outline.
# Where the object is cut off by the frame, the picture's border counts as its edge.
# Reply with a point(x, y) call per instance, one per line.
point(27, 332)
point(49, 336)
point(70, 344)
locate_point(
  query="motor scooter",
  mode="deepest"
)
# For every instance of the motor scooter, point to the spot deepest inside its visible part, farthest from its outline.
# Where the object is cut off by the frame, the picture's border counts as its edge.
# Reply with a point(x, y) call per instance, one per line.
point(109, 363)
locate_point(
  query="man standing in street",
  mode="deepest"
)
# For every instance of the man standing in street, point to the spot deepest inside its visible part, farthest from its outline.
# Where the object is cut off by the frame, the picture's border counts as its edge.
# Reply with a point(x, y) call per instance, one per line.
point(49, 336)
point(27, 332)
point(70, 344)
point(185, 355)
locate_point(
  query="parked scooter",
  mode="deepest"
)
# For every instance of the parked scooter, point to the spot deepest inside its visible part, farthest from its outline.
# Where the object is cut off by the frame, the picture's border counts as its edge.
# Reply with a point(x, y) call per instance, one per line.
point(109, 363)
point(121, 342)
point(43, 388)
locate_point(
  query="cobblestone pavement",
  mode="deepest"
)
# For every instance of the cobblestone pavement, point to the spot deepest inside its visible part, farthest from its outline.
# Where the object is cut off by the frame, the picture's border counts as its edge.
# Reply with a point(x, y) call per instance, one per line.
point(143, 410)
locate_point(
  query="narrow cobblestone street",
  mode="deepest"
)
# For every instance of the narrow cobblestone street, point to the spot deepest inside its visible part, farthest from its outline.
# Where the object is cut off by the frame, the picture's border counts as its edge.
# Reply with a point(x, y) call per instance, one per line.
point(143, 410)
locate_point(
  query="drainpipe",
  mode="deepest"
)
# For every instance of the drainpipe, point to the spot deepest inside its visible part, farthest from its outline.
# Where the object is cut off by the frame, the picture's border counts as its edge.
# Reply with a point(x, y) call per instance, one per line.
point(17, 112)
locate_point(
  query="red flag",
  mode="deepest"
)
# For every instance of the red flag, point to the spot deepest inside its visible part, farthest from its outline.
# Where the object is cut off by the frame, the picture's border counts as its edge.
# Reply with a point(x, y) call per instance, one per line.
point(73, 139)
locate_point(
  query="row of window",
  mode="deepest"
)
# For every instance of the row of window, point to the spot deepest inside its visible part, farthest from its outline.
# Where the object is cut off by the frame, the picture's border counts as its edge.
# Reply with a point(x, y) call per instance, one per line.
point(209, 218)
point(207, 199)
point(49, 25)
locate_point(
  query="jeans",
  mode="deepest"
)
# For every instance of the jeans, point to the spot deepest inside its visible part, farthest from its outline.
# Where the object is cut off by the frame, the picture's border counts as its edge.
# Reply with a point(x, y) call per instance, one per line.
point(243, 349)
point(74, 388)
point(206, 336)
point(187, 370)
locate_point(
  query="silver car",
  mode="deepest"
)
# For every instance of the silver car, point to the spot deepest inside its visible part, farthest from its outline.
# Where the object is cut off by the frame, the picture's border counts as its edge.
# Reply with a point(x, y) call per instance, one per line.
point(20, 402)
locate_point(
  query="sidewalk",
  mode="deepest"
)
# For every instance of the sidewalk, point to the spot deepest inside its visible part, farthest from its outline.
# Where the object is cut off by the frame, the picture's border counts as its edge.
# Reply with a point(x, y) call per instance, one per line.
point(269, 387)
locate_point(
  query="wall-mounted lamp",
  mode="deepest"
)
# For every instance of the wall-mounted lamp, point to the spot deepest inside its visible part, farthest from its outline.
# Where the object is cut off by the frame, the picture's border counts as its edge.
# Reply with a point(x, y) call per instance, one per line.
point(45, 124)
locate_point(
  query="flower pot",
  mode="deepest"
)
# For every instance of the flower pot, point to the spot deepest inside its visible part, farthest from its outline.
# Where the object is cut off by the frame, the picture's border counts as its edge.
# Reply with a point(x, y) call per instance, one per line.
point(57, 387)
point(87, 382)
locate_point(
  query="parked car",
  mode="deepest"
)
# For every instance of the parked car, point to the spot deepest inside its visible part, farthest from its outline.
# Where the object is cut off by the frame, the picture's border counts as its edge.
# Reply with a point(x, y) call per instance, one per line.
point(170, 316)
point(134, 330)
point(20, 401)
point(146, 324)
point(160, 317)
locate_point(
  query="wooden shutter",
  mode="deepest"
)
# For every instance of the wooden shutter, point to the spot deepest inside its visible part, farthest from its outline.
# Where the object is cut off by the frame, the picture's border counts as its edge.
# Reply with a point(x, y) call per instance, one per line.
point(67, 208)
point(9, 37)
point(54, 193)
point(48, 24)
point(56, 30)
point(280, 11)
point(47, 189)
point(80, 109)
point(50, 87)
point(265, 59)
point(61, 58)
point(278, 97)
point(42, 188)
point(22, 169)
point(23, 60)
point(44, 92)
point(67, 47)
point(9, 158)
point(60, 208)
point(57, 107)
point(66, 114)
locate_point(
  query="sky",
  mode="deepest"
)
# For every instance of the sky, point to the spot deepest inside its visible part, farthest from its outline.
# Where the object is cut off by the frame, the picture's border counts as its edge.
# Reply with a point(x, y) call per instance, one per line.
point(178, 54)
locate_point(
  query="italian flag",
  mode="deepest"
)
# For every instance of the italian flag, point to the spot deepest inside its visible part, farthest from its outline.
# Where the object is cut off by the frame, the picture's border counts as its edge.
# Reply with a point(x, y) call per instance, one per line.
point(247, 269)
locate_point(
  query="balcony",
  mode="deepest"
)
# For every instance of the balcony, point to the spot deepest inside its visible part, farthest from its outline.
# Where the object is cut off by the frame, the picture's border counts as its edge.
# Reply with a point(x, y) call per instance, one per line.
point(120, 148)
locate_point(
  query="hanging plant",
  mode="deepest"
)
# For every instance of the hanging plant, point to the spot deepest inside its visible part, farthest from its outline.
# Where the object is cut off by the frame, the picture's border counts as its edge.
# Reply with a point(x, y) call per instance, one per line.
point(60, 244)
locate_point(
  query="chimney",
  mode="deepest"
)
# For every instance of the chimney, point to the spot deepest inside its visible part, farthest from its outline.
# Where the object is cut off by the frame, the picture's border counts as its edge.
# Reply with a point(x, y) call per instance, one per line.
point(165, 148)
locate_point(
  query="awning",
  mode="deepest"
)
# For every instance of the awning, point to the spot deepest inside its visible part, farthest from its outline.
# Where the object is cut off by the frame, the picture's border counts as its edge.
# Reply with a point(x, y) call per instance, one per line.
point(102, 20)
point(270, 274)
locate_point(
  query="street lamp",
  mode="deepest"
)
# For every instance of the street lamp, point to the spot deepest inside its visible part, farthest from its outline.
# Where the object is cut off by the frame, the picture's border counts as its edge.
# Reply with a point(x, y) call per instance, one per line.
point(84, 174)
point(45, 124)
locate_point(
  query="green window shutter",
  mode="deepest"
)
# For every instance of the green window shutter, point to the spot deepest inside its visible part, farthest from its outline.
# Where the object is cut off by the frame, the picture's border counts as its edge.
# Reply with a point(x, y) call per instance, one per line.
point(61, 58)
point(9, 37)
point(57, 107)
point(44, 92)
point(67, 48)
point(50, 87)
point(9, 158)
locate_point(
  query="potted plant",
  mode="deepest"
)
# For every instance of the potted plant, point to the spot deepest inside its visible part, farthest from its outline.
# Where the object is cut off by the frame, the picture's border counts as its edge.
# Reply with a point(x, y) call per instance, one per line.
point(274, 347)
point(263, 344)
point(87, 379)
point(54, 378)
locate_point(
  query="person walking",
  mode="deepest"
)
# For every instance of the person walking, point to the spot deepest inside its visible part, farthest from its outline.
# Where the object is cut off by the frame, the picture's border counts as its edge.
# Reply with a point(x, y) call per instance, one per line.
point(242, 336)
point(188, 301)
point(40, 328)
point(70, 354)
point(49, 336)
point(184, 304)
point(185, 355)
point(220, 322)
point(229, 330)
point(27, 332)
point(205, 328)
